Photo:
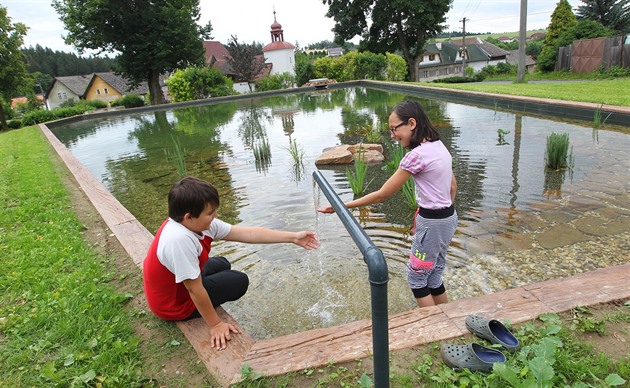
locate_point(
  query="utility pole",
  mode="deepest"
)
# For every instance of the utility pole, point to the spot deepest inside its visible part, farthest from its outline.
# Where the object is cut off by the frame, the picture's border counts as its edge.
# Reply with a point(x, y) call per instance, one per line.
point(521, 42)
point(463, 49)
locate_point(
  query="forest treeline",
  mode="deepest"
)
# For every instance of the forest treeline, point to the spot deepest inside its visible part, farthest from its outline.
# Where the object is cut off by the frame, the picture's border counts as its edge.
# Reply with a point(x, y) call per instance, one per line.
point(47, 64)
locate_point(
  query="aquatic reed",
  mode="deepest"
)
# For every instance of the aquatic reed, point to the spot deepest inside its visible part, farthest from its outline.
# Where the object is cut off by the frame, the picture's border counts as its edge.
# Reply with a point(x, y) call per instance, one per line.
point(557, 154)
point(180, 161)
point(356, 178)
point(408, 190)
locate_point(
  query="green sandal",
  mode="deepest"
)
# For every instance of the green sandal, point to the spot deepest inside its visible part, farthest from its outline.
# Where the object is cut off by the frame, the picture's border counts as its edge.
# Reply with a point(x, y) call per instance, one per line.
point(472, 356)
point(493, 331)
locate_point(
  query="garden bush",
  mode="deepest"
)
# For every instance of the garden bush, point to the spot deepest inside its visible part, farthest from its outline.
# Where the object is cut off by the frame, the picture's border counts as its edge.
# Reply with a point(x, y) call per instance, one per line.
point(14, 124)
point(129, 101)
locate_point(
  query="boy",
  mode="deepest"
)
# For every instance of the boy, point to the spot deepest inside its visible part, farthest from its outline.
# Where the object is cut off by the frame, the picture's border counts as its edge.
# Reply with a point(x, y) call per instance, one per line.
point(181, 281)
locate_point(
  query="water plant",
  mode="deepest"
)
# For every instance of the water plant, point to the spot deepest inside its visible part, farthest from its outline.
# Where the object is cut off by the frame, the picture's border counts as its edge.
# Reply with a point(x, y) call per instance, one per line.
point(558, 155)
point(180, 161)
point(297, 153)
point(501, 136)
point(262, 155)
point(356, 178)
point(597, 119)
point(409, 188)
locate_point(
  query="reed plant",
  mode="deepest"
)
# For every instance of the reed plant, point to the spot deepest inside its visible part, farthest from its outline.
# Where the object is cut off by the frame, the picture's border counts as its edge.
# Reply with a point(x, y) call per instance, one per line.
point(558, 154)
point(408, 190)
point(262, 155)
point(597, 119)
point(297, 153)
point(180, 160)
point(356, 178)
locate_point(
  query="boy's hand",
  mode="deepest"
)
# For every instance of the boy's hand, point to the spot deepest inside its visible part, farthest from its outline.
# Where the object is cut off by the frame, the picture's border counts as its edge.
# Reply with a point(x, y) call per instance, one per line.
point(307, 240)
point(220, 334)
point(326, 209)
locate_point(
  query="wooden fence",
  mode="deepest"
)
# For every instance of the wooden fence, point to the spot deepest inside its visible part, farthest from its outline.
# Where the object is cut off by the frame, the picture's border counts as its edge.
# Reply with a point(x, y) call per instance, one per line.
point(586, 56)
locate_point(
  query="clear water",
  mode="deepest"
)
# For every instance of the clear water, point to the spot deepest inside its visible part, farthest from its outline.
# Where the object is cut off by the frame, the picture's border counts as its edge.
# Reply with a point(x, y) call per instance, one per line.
point(292, 290)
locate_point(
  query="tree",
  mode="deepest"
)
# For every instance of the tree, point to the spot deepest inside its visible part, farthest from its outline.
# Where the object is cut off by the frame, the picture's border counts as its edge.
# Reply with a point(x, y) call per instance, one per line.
point(613, 14)
point(152, 37)
point(195, 83)
point(562, 19)
point(303, 68)
point(13, 74)
point(246, 60)
point(584, 29)
point(385, 25)
point(396, 67)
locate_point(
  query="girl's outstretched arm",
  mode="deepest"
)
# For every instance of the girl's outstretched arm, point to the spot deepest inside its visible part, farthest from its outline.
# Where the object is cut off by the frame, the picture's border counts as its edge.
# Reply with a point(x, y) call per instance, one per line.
point(389, 188)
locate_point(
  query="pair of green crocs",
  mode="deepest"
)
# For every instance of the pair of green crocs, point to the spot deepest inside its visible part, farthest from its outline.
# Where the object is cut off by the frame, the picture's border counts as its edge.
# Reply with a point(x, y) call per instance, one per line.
point(476, 357)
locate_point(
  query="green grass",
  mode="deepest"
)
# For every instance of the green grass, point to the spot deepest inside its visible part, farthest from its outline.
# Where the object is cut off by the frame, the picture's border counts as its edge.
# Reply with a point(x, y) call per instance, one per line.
point(594, 91)
point(61, 321)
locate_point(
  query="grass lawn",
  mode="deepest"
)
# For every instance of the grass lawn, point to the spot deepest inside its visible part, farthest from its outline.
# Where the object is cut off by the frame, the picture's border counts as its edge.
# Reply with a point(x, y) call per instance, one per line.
point(595, 91)
point(72, 310)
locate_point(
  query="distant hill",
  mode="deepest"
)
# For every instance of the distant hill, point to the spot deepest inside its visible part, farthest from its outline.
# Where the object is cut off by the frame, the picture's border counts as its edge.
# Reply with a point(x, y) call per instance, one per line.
point(514, 34)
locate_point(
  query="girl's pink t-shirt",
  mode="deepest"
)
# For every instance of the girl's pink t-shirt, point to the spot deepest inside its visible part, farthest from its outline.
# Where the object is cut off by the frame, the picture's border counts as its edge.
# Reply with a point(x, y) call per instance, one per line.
point(431, 166)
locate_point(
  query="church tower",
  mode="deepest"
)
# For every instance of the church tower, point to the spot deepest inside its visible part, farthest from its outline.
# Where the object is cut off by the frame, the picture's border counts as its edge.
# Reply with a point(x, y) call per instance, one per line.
point(279, 53)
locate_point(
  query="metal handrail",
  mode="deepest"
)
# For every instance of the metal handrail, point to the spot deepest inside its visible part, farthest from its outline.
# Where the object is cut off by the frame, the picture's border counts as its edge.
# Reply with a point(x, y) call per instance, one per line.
point(377, 275)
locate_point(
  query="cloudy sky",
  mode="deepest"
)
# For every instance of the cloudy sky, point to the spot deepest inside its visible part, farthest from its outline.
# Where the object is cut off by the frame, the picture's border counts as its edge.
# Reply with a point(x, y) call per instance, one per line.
point(303, 21)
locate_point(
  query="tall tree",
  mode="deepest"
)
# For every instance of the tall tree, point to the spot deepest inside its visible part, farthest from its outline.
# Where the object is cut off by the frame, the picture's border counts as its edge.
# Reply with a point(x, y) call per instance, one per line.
point(152, 37)
point(389, 26)
point(613, 14)
point(562, 19)
point(13, 74)
point(246, 60)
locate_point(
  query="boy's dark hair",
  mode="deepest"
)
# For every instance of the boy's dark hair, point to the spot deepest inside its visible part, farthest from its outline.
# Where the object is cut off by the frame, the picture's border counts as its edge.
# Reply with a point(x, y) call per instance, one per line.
point(424, 129)
point(191, 195)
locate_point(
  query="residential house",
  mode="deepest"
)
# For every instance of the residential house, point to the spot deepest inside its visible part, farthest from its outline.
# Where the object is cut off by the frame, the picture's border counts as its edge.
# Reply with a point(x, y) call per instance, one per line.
point(445, 59)
point(66, 88)
point(217, 57)
point(335, 51)
point(536, 35)
point(108, 87)
point(278, 57)
point(530, 63)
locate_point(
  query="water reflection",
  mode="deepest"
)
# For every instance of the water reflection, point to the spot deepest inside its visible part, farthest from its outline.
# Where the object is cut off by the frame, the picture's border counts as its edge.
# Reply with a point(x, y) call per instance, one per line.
point(292, 290)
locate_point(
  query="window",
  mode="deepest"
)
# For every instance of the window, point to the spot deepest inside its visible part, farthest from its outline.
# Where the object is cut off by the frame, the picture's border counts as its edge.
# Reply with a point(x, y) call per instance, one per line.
point(105, 90)
point(59, 95)
point(432, 57)
point(98, 91)
point(65, 96)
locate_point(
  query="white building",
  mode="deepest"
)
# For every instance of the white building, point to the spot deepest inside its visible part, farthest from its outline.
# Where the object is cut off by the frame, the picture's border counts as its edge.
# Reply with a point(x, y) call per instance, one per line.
point(280, 54)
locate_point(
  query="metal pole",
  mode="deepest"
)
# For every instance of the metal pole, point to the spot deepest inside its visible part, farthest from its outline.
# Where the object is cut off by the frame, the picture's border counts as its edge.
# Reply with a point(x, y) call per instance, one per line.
point(464, 48)
point(522, 36)
point(378, 277)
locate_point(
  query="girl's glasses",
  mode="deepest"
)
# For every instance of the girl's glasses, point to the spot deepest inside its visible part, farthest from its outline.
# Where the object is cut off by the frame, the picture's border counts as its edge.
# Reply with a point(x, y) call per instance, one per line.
point(394, 128)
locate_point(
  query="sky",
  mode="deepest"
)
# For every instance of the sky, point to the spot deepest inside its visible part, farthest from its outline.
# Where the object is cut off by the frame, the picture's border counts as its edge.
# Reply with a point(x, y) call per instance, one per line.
point(303, 21)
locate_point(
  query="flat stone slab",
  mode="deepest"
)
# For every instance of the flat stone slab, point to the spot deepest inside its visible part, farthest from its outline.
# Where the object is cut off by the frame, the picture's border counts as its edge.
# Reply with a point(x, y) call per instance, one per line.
point(561, 235)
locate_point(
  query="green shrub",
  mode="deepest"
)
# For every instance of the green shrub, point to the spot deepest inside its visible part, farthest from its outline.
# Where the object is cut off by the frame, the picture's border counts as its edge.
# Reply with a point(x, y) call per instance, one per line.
point(275, 82)
point(478, 77)
point(96, 104)
point(15, 124)
point(129, 101)
point(39, 116)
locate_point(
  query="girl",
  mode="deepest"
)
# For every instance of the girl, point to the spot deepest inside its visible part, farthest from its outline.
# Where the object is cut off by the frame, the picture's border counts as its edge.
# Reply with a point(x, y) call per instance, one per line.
point(430, 165)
